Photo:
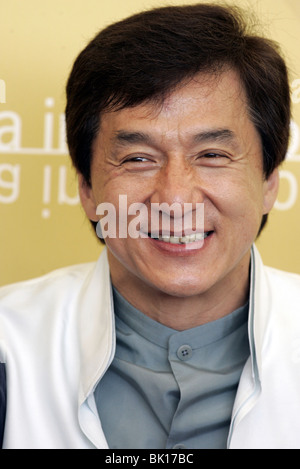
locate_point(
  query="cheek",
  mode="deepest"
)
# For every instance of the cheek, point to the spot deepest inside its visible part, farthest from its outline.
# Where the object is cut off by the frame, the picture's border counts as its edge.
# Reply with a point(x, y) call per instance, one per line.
point(110, 190)
point(117, 248)
point(124, 257)
point(240, 200)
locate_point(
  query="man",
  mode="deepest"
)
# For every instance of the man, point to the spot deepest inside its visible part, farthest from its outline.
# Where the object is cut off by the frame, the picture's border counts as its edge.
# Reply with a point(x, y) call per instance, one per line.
point(175, 338)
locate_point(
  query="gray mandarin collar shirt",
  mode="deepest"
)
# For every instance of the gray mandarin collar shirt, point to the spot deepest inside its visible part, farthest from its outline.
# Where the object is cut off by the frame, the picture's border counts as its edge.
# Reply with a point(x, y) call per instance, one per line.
point(168, 388)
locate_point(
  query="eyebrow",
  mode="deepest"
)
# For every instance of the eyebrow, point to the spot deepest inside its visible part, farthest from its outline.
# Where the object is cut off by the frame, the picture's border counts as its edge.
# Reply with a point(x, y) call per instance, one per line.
point(221, 135)
point(124, 137)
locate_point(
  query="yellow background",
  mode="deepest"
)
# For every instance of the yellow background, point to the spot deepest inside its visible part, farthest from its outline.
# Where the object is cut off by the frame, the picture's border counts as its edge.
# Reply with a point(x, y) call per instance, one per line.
point(42, 224)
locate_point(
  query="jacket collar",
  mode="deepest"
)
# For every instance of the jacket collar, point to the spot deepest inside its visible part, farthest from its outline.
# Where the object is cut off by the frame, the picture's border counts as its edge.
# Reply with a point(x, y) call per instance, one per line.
point(259, 311)
point(96, 326)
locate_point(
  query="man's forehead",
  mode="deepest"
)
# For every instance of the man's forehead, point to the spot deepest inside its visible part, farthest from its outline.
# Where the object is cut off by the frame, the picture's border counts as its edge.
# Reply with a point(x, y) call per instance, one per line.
point(198, 90)
point(202, 85)
point(202, 109)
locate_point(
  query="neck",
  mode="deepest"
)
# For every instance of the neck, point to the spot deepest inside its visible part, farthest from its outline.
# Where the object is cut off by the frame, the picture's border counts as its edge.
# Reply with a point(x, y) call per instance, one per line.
point(182, 313)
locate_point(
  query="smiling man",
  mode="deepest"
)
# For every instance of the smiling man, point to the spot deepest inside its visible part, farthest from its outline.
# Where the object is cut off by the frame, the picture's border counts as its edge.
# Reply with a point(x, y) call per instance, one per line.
point(177, 338)
point(198, 146)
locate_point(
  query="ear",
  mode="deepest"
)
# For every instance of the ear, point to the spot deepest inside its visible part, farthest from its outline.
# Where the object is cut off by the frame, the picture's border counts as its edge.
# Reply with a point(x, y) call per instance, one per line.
point(271, 186)
point(87, 198)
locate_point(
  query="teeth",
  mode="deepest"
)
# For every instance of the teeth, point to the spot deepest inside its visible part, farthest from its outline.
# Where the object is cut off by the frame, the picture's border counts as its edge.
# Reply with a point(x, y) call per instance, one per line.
point(183, 239)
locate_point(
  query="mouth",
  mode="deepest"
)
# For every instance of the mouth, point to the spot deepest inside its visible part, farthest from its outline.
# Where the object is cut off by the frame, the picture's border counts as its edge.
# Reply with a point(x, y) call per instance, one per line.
point(187, 239)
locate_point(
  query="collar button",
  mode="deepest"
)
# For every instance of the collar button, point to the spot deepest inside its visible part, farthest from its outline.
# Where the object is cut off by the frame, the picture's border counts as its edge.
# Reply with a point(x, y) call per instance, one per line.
point(184, 352)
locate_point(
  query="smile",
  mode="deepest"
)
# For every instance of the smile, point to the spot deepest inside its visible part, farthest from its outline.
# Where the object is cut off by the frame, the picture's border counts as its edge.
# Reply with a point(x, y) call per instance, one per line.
point(183, 239)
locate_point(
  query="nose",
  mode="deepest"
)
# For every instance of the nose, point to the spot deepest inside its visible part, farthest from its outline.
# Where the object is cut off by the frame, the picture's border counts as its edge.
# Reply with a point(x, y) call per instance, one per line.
point(177, 182)
point(177, 200)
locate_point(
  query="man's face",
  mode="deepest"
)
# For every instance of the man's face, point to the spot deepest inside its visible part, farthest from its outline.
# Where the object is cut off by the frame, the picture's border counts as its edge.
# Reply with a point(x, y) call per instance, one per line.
point(198, 147)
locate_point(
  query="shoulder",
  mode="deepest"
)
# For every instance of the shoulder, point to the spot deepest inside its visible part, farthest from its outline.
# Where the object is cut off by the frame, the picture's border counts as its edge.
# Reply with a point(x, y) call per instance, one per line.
point(284, 300)
point(283, 283)
point(48, 289)
point(273, 283)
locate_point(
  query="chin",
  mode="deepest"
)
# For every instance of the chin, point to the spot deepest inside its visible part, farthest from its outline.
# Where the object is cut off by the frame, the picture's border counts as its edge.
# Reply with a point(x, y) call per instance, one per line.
point(181, 289)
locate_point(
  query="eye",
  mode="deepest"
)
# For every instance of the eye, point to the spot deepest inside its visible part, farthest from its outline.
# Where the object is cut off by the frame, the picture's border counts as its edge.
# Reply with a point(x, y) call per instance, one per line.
point(137, 159)
point(139, 163)
point(213, 158)
point(213, 155)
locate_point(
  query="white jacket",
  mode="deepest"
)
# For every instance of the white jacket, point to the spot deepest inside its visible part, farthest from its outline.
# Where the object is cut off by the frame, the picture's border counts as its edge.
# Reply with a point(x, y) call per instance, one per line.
point(57, 339)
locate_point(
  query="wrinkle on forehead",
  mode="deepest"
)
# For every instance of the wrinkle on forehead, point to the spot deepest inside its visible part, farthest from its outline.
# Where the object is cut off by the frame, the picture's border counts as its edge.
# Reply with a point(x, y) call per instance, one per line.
point(203, 84)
